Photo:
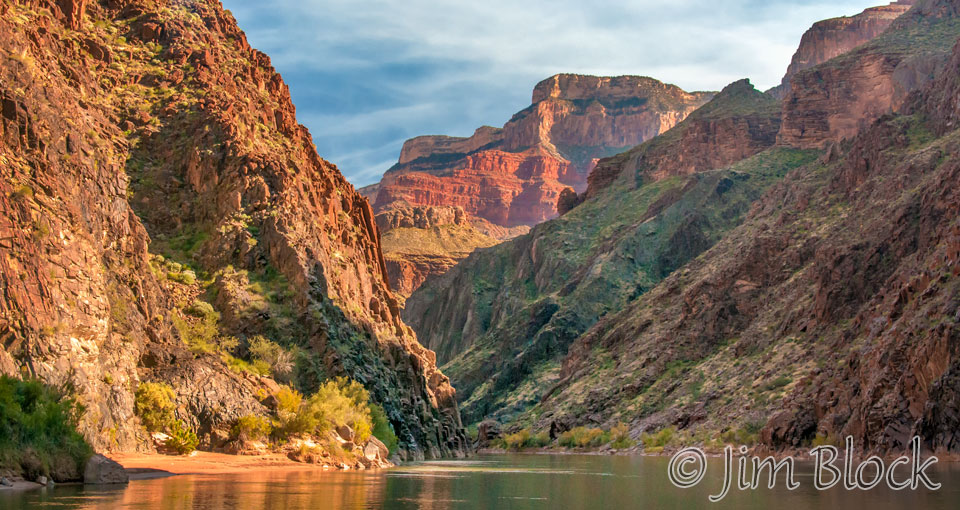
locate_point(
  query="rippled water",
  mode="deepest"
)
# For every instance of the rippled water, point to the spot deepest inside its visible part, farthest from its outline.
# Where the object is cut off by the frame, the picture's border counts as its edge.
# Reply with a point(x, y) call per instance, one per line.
point(485, 482)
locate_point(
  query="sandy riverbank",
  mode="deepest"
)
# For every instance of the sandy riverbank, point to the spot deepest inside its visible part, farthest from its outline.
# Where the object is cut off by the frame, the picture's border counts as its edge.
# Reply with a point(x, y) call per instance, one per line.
point(152, 465)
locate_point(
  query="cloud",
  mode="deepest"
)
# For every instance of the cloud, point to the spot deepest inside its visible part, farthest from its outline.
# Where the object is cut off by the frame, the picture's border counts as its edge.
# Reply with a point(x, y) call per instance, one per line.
point(367, 74)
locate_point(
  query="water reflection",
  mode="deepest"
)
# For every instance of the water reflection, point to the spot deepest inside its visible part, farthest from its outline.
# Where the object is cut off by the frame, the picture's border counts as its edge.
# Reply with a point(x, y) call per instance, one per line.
point(501, 482)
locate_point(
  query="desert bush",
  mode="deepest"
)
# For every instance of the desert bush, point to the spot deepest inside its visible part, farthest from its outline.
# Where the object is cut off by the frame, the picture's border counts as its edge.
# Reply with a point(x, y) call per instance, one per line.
point(154, 405)
point(620, 437)
point(252, 428)
point(516, 440)
point(337, 402)
point(38, 429)
point(340, 402)
point(267, 353)
point(583, 437)
point(182, 440)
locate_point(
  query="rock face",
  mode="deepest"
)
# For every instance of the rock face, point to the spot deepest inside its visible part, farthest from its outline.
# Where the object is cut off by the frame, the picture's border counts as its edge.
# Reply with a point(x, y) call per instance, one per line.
point(834, 100)
point(833, 37)
point(720, 133)
point(502, 320)
point(513, 176)
point(158, 130)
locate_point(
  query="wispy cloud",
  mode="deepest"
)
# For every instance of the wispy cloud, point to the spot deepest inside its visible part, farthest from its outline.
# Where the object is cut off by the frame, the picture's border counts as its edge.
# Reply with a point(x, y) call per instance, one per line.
point(367, 74)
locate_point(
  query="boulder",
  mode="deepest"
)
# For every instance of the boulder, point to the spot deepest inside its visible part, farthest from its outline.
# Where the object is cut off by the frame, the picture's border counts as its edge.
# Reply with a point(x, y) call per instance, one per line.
point(376, 450)
point(345, 433)
point(103, 471)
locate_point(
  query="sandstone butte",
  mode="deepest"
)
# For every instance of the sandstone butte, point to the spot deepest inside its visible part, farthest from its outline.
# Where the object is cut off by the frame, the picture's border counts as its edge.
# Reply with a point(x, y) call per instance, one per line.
point(508, 179)
point(160, 206)
point(512, 176)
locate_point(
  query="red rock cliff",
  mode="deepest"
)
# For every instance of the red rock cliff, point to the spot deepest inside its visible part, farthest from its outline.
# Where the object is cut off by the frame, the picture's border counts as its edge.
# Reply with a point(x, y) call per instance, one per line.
point(833, 37)
point(513, 176)
point(834, 100)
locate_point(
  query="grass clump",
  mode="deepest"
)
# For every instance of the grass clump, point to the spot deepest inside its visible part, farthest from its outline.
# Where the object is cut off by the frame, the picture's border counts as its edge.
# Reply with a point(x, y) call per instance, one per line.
point(38, 431)
point(182, 440)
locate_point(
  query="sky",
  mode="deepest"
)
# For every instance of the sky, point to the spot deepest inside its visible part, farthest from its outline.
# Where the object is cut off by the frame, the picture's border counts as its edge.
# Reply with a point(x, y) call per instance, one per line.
point(365, 75)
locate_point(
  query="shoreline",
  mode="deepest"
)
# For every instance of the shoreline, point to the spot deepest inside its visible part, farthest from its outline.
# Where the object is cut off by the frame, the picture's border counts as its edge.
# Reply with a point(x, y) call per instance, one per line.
point(798, 454)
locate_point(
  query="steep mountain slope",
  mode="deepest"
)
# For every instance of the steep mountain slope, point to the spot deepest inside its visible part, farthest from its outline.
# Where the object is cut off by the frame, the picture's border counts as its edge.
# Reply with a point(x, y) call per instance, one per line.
point(503, 318)
point(152, 164)
point(833, 37)
point(833, 308)
point(832, 305)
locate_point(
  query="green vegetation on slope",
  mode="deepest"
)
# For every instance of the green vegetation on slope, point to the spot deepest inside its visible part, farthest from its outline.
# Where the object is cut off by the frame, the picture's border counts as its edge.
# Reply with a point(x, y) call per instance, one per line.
point(445, 240)
point(595, 259)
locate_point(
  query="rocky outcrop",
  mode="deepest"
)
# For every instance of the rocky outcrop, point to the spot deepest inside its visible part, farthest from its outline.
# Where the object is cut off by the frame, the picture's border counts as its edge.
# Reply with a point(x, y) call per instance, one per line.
point(421, 241)
point(513, 176)
point(836, 99)
point(833, 37)
point(188, 148)
point(503, 318)
point(738, 123)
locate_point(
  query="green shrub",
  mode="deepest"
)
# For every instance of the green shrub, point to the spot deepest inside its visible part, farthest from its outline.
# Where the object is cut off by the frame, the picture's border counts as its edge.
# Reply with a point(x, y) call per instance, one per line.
point(662, 438)
point(382, 429)
point(340, 402)
point(154, 405)
point(38, 429)
point(182, 440)
point(251, 428)
point(826, 440)
point(203, 310)
point(747, 435)
point(336, 403)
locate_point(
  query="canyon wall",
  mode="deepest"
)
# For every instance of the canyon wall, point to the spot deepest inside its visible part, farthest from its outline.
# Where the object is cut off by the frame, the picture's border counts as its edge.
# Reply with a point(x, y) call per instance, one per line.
point(502, 319)
point(836, 99)
point(152, 161)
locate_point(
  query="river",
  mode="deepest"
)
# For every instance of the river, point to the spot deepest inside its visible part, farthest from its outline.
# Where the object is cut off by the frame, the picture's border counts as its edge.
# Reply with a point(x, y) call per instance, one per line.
point(485, 482)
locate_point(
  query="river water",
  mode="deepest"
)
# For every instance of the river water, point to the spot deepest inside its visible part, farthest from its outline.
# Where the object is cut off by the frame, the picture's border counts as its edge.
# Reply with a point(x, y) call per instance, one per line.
point(485, 482)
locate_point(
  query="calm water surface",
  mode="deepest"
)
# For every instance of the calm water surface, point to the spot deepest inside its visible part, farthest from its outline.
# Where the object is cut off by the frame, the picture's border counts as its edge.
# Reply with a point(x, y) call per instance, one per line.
point(484, 482)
